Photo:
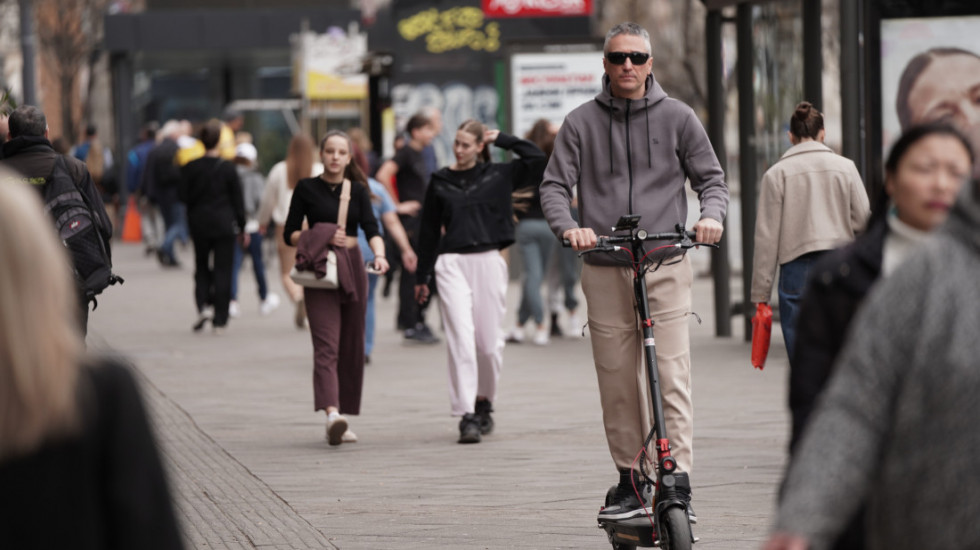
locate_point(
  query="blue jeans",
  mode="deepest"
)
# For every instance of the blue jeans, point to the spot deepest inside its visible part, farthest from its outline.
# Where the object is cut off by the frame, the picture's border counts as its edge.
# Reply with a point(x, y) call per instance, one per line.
point(369, 314)
point(258, 266)
point(792, 281)
point(537, 242)
point(175, 219)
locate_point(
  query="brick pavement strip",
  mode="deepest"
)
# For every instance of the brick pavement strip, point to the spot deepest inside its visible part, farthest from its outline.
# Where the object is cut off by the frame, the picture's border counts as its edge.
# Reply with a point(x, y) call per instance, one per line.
point(220, 503)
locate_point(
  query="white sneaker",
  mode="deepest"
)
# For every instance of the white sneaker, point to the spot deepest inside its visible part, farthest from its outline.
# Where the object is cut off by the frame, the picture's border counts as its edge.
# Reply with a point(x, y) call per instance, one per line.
point(349, 437)
point(233, 310)
point(576, 327)
point(270, 303)
point(540, 337)
point(336, 426)
point(515, 336)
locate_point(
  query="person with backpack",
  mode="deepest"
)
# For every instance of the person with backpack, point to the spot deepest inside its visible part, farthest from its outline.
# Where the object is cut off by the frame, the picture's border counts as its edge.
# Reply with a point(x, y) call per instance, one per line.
point(70, 195)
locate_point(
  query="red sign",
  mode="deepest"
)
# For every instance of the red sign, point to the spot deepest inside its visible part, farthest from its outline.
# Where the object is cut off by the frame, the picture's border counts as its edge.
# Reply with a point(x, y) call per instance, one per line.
point(536, 8)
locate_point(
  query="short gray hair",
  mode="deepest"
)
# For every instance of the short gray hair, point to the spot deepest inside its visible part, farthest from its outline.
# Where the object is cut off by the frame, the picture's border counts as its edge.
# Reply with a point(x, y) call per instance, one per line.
point(631, 29)
point(27, 120)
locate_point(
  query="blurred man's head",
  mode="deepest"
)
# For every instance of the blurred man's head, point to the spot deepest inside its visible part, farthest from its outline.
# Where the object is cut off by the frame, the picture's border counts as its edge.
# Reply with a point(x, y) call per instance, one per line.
point(27, 121)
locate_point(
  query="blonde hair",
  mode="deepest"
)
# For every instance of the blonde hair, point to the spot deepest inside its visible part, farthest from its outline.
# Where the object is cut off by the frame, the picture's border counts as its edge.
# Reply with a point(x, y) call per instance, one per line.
point(40, 340)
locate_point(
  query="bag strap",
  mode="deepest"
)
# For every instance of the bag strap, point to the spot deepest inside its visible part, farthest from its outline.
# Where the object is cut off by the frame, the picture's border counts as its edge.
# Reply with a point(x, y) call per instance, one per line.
point(344, 203)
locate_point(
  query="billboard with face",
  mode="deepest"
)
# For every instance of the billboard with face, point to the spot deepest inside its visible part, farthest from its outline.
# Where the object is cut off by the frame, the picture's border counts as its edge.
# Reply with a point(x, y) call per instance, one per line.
point(930, 72)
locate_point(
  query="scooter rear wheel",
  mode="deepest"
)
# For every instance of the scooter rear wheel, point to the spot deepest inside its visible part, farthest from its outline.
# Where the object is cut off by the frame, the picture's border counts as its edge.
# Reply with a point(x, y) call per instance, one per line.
point(676, 529)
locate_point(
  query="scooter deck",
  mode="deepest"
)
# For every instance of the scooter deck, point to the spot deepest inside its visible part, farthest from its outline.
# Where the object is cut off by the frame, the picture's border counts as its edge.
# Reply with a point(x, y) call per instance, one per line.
point(636, 531)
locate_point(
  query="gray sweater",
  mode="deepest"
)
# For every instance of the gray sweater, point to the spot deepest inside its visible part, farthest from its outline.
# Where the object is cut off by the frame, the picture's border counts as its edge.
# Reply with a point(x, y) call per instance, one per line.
point(631, 157)
point(900, 420)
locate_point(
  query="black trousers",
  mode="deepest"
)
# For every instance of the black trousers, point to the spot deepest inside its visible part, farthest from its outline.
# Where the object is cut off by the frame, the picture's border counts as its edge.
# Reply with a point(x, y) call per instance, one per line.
point(409, 311)
point(213, 258)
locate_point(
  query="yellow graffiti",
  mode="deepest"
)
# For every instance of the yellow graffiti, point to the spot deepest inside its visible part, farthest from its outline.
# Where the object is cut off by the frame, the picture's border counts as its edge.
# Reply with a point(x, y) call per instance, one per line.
point(452, 29)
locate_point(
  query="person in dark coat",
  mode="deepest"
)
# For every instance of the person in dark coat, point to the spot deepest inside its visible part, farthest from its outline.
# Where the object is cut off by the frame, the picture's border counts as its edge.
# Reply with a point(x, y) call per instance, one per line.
point(79, 466)
point(923, 174)
point(210, 188)
point(31, 157)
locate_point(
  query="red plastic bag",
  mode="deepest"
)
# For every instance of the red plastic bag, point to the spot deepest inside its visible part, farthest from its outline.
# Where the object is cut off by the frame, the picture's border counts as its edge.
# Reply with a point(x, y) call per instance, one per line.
point(761, 334)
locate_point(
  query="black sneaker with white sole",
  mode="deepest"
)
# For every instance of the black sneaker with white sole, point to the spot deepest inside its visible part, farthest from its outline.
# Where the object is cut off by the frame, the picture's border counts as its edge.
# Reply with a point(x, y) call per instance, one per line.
point(622, 501)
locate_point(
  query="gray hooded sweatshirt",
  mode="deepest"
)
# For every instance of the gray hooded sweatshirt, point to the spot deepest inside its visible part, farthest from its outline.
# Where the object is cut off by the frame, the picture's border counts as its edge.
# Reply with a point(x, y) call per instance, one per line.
point(631, 157)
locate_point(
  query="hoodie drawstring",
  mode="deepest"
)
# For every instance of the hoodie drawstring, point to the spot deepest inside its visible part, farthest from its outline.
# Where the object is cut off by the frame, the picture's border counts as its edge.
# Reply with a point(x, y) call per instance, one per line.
point(646, 111)
point(610, 136)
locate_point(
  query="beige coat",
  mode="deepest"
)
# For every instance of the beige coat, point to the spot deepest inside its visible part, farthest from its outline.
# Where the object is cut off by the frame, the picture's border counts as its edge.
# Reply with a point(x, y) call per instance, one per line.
point(812, 199)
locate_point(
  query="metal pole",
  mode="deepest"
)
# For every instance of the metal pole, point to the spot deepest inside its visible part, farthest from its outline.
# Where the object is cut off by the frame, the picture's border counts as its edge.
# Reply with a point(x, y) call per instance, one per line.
point(720, 267)
point(747, 154)
point(28, 52)
point(850, 83)
point(812, 53)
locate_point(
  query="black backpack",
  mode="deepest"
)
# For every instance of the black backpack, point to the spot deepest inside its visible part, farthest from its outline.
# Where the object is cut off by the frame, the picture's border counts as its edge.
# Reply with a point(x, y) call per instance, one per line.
point(78, 226)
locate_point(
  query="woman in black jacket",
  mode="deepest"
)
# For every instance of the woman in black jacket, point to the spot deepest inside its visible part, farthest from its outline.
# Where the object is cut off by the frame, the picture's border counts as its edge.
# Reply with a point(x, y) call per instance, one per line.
point(923, 174)
point(471, 200)
point(210, 188)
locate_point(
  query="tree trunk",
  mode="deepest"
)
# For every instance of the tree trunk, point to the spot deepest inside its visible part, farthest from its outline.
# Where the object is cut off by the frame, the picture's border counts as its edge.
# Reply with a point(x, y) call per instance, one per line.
point(67, 84)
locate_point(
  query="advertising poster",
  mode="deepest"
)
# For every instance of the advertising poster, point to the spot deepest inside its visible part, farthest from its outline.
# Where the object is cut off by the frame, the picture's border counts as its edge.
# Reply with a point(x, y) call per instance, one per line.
point(930, 72)
point(549, 85)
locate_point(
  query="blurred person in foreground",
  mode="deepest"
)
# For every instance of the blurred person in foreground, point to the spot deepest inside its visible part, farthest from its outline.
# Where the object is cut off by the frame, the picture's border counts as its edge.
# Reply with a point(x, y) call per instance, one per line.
point(79, 467)
point(897, 424)
point(923, 175)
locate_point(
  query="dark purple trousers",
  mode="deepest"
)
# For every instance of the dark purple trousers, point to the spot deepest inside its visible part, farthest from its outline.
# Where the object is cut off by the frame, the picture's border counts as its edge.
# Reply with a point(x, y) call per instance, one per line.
point(337, 329)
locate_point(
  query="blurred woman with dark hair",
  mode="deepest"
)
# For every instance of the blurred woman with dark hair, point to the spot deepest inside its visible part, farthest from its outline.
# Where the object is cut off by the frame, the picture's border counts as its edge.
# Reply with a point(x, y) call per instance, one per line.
point(811, 201)
point(924, 173)
point(471, 200)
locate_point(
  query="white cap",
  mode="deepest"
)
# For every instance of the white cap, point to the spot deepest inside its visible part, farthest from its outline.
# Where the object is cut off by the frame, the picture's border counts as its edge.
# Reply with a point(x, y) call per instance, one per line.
point(246, 151)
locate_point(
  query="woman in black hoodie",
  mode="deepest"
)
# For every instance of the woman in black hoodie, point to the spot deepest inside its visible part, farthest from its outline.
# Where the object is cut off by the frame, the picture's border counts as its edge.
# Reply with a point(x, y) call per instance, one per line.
point(471, 200)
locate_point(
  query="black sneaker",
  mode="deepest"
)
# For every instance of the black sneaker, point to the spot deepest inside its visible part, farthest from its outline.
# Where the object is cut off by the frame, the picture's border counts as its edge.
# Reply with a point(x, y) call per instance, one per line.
point(483, 410)
point(555, 327)
point(469, 429)
point(421, 334)
point(622, 502)
point(684, 492)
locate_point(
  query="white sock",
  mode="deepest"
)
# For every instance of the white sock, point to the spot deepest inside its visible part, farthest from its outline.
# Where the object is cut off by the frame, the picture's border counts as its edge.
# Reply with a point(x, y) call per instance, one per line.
point(333, 416)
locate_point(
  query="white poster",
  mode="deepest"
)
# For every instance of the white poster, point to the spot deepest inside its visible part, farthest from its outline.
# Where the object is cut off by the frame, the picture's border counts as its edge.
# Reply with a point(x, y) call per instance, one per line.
point(549, 85)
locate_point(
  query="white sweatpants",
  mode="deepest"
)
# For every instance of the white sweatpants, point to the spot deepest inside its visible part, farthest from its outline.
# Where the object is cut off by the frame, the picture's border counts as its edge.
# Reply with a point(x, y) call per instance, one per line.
point(472, 297)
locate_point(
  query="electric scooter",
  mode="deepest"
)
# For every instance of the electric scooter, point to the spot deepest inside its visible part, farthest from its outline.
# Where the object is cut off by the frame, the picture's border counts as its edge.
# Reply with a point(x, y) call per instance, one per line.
point(666, 524)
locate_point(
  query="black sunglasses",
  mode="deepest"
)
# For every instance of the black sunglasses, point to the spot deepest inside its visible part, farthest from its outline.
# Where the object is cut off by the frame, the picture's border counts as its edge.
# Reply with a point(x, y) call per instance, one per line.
point(636, 58)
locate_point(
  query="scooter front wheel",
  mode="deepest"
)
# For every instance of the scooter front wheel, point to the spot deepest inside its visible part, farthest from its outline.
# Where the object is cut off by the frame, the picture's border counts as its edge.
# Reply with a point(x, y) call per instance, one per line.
point(676, 529)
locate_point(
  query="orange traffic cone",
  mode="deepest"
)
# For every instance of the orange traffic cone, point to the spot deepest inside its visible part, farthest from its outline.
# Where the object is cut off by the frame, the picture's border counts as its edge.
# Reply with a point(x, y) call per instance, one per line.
point(131, 223)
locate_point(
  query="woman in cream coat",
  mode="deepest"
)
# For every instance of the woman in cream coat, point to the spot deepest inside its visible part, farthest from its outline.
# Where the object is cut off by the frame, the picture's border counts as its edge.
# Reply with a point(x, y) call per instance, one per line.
point(811, 201)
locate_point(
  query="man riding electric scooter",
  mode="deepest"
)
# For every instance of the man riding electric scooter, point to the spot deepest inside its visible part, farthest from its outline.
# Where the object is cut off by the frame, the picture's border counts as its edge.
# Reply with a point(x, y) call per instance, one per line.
point(630, 151)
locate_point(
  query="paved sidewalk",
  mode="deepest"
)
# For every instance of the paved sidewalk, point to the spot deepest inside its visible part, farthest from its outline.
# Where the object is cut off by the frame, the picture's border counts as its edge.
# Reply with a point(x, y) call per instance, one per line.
point(251, 469)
